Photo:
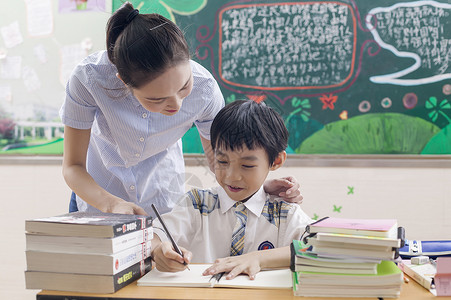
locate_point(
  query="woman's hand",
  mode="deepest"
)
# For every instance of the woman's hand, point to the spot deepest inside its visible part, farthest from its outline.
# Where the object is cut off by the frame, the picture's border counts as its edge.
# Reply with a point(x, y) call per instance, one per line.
point(120, 206)
point(287, 188)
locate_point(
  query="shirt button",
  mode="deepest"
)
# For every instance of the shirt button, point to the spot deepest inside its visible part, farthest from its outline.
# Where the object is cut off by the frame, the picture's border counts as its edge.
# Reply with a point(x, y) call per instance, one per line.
point(141, 139)
point(137, 155)
point(144, 115)
point(132, 187)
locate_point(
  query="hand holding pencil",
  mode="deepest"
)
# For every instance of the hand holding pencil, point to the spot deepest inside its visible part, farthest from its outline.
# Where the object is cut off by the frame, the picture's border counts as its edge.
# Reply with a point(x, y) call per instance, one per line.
point(168, 256)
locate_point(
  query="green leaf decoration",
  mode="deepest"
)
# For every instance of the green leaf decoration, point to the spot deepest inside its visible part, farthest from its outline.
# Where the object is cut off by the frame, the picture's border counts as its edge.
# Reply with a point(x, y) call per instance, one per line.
point(230, 99)
point(185, 7)
point(445, 104)
point(433, 115)
point(431, 103)
point(148, 7)
point(439, 143)
point(386, 133)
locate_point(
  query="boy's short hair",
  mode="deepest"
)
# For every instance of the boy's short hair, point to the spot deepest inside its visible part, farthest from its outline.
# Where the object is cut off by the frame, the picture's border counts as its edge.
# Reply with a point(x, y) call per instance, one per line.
point(245, 122)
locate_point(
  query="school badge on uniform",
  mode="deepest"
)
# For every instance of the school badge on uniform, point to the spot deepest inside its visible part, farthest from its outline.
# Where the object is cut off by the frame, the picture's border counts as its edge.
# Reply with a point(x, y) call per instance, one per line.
point(265, 245)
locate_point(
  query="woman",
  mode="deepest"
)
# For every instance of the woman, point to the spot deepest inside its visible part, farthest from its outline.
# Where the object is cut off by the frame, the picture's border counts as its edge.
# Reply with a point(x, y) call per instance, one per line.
point(125, 112)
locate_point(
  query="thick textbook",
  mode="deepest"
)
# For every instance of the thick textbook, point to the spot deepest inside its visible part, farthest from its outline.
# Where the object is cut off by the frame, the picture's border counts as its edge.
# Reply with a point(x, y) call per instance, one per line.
point(330, 269)
point(300, 255)
point(103, 225)
point(348, 292)
point(71, 244)
point(271, 279)
point(381, 254)
point(87, 263)
point(387, 274)
point(86, 283)
point(358, 239)
point(370, 227)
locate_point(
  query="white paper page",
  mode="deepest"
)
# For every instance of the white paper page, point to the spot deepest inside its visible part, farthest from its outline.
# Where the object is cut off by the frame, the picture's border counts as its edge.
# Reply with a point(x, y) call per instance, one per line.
point(40, 17)
point(30, 78)
point(71, 55)
point(186, 278)
point(272, 279)
point(11, 67)
point(11, 35)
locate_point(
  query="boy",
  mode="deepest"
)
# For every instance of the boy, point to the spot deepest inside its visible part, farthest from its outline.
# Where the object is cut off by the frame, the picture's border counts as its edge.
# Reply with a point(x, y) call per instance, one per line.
point(238, 218)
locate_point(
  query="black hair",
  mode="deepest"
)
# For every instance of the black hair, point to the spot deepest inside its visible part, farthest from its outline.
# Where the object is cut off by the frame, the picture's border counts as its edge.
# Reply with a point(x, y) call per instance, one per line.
point(245, 122)
point(142, 46)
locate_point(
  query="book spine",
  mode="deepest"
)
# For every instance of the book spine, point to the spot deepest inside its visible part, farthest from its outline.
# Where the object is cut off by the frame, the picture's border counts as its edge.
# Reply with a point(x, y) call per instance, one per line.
point(132, 273)
point(131, 256)
point(134, 238)
point(139, 224)
point(292, 257)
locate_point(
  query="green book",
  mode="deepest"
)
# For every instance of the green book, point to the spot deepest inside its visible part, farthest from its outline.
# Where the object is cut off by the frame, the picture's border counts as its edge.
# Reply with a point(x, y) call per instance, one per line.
point(387, 274)
point(301, 256)
point(386, 283)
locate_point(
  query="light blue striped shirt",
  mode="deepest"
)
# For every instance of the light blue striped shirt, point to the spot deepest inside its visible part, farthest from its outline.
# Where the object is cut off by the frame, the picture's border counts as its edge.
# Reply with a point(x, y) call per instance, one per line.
point(133, 153)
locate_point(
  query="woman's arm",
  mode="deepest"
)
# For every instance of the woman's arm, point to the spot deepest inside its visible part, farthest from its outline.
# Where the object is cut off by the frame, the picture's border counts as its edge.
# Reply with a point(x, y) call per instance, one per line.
point(76, 143)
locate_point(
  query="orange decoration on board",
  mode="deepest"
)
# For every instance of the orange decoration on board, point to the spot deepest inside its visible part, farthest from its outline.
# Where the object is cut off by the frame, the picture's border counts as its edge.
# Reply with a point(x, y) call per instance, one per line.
point(344, 115)
point(328, 101)
point(256, 98)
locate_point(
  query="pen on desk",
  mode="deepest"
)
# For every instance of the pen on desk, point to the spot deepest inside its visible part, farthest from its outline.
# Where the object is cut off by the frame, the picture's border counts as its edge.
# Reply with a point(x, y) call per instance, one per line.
point(217, 276)
point(174, 244)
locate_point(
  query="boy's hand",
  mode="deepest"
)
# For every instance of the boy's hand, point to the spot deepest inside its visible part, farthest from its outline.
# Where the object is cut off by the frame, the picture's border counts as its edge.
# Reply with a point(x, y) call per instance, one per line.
point(167, 260)
point(235, 265)
point(287, 188)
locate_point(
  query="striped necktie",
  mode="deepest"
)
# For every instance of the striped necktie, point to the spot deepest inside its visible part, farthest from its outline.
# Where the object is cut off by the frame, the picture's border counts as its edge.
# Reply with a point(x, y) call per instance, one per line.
point(237, 245)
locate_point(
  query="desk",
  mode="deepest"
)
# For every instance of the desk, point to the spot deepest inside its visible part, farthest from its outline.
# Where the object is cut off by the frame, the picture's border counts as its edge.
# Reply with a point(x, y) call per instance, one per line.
point(410, 291)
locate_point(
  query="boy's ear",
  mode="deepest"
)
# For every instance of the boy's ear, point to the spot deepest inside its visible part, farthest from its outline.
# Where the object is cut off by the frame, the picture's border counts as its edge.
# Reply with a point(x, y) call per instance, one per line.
point(278, 162)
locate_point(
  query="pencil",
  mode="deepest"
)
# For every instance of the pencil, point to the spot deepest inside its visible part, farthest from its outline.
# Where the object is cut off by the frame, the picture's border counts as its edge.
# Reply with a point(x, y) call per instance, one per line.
point(174, 244)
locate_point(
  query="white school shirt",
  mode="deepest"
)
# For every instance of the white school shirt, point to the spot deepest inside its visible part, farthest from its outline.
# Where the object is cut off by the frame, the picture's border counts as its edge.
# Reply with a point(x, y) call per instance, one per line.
point(204, 225)
point(133, 153)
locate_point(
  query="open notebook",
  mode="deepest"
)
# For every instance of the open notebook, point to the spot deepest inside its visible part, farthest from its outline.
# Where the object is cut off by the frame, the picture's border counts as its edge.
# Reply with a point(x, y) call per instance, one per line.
point(272, 279)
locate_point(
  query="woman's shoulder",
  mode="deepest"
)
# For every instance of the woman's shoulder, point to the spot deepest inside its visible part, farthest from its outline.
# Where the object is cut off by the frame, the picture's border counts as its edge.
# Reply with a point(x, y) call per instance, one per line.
point(97, 67)
point(99, 58)
point(199, 71)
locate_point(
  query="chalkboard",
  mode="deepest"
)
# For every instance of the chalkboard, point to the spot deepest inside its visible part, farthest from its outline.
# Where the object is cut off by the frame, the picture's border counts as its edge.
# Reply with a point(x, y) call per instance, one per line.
point(348, 77)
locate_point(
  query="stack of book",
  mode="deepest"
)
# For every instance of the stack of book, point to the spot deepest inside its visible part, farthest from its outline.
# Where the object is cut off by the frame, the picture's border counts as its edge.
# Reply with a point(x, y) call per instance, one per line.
point(85, 252)
point(348, 258)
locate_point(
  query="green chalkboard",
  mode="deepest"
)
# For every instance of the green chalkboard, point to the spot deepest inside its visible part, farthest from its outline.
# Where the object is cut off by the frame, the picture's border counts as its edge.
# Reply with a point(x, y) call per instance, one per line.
point(348, 77)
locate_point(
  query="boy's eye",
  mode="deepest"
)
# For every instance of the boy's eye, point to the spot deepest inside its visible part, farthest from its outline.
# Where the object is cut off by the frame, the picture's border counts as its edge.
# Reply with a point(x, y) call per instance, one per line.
point(248, 166)
point(222, 162)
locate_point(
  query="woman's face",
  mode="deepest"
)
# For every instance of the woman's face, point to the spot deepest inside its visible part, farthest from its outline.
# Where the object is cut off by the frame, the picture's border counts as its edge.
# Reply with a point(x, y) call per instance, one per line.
point(165, 93)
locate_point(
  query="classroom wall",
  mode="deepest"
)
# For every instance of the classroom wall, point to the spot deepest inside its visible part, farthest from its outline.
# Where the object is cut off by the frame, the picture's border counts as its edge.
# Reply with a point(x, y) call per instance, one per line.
point(418, 197)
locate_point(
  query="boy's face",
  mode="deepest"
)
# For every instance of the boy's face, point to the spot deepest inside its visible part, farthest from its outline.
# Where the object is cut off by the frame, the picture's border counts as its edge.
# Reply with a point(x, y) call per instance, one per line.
point(241, 172)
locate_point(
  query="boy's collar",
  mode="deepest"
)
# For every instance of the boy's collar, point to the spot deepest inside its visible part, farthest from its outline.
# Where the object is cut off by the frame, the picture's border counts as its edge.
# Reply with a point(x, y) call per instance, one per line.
point(254, 204)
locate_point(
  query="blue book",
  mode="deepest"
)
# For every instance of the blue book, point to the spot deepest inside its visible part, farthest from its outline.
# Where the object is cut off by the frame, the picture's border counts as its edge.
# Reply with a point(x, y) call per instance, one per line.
point(433, 249)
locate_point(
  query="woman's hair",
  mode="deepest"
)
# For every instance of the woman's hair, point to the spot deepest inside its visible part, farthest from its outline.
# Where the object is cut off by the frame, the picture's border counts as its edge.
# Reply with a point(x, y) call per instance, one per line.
point(142, 46)
point(255, 125)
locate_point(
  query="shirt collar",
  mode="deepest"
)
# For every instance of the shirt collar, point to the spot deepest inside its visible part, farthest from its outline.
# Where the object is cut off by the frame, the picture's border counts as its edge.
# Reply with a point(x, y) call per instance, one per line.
point(254, 204)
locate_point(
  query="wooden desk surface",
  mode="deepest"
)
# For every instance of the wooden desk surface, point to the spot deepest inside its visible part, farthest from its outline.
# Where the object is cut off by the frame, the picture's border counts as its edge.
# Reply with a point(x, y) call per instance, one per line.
point(410, 291)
